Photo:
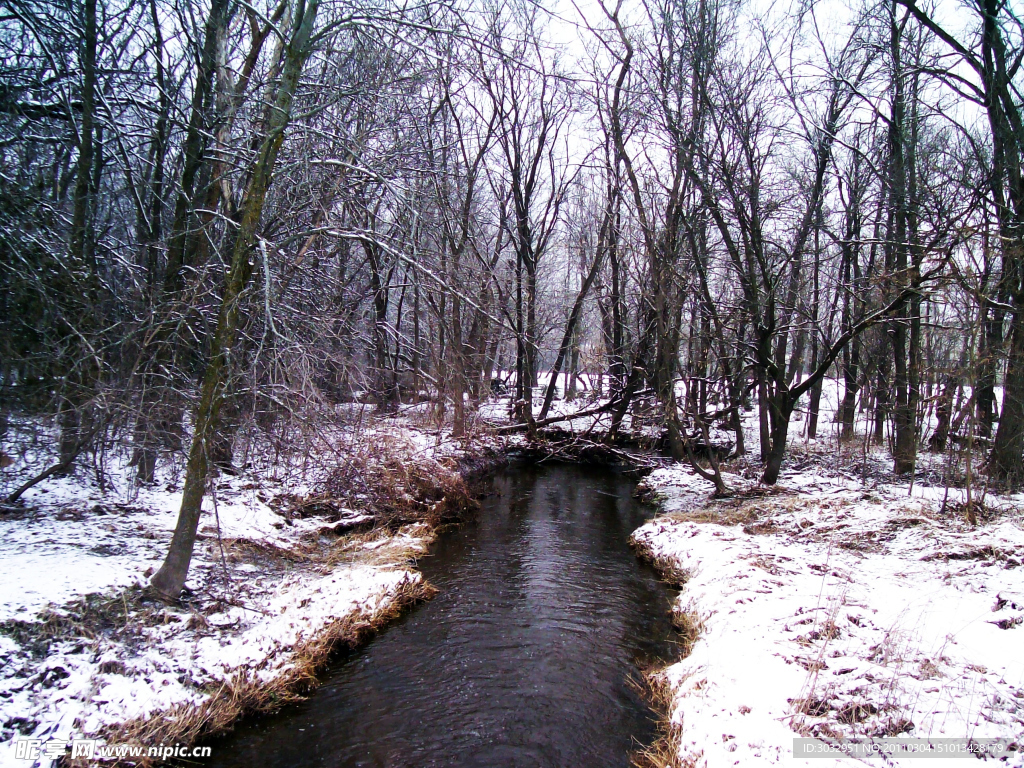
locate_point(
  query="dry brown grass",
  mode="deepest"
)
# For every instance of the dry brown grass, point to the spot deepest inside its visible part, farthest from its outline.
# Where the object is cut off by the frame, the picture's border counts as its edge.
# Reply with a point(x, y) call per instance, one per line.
point(654, 685)
point(395, 485)
point(753, 509)
point(251, 550)
point(718, 514)
point(119, 615)
point(380, 547)
point(665, 752)
point(690, 626)
point(243, 693)
point(667, 569)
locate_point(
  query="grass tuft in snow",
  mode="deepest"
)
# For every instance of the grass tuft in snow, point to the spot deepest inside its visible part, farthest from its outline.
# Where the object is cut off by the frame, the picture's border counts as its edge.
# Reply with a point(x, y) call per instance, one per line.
point(665, 752)
point(395, 485)
point(84, 619)
point(669, 571)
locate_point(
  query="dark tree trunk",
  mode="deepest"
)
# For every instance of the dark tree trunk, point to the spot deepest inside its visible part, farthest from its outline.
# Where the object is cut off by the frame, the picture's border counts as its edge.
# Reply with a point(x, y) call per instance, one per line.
point(1008, 448)
point(850, 389)
point(904, 413)
point(812, 409)
point(80, 378)
point(991, 348)
point(384, 389)
point(943, 413)
point(762, 414)
point(881, 403)
point(735, 383)
point(170, 579)
point(781, 412)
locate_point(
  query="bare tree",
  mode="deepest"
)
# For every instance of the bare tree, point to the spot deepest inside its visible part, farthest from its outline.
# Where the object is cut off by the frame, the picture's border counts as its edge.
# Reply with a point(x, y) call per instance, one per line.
point(170, 579)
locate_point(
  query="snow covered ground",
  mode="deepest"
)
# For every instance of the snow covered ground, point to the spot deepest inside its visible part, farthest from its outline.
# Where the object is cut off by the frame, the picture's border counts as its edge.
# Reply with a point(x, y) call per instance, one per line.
point(834, 608)
point(84, 651)
point(843, 603)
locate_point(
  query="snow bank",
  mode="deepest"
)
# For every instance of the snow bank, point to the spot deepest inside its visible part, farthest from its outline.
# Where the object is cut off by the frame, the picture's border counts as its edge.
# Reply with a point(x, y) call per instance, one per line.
point(833, 610)
point(86, 687)
point(84, 651)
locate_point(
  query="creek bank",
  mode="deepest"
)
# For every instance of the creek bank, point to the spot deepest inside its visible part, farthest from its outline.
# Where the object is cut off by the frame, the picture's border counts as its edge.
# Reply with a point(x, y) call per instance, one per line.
point(286, 568)
point(830, 608)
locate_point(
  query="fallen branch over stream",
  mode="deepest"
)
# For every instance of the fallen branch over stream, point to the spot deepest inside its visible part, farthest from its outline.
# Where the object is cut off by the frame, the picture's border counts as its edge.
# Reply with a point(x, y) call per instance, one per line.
point(579, 449)
point(509, 429)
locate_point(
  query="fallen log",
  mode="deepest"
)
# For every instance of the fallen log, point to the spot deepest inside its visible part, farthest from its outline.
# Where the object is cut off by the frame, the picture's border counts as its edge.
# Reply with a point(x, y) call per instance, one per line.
point(512, 428)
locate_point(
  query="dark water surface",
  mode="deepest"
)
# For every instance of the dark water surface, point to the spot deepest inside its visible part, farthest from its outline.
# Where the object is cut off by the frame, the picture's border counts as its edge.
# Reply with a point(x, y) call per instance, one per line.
point(522, 659)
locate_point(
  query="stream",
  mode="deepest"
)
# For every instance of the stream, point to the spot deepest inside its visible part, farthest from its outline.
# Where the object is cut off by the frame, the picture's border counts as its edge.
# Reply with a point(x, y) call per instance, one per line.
point(524, 658)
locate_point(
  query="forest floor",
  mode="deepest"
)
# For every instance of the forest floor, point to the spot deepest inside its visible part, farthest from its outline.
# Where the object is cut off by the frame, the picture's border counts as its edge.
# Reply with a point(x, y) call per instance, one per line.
point(842, 603)
point(296, 555)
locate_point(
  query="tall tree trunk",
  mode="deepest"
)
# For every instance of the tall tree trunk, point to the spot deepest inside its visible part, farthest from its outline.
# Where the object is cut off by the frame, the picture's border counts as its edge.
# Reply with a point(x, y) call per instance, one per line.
point(416, 373)
point(573, 374)
point(1008, 447)
point(781, 406)
point(150, 233)
point(943, 413)
point(815, 399)
point(991, 349)
point(170, 579)
point(617, 371)
point(532, 340)
point(383, 387)
point(735, 383)
point(764, 431)
point(851, 302)
point(848, 411)
point(1005, 120)
point(82, 373)
point(815, 393)
point(905, 446)
point(523, 408)
point(457, 373)
point(881, 401)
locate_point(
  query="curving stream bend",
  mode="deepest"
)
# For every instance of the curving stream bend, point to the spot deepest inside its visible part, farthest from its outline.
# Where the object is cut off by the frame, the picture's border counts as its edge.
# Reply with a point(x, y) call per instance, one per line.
point(523, 659)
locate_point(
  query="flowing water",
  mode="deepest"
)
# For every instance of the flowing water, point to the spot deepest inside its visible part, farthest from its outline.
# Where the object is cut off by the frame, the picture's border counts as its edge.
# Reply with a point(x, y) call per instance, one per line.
point(523, 659)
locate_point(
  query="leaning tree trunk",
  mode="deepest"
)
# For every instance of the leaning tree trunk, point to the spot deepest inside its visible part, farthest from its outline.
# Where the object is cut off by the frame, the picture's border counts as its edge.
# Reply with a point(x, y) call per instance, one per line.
point(170, 579)
point(566, 347)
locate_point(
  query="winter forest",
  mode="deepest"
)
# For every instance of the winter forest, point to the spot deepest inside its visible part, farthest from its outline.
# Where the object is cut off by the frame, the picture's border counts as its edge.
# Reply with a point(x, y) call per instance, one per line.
point(228, 228)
